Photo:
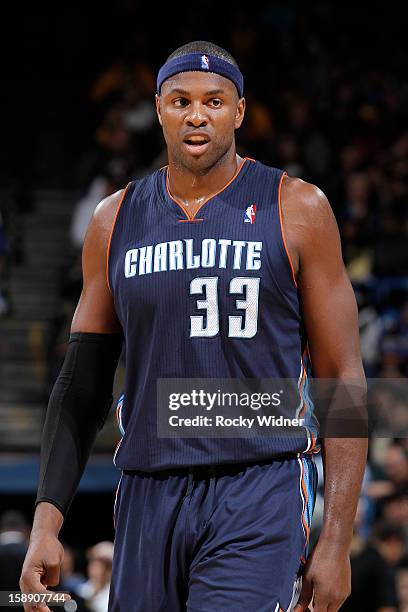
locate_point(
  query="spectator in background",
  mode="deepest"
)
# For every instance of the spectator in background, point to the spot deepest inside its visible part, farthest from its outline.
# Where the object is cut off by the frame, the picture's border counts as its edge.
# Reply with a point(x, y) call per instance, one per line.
point(396, 466)
point(14, 534)
point(99, 188)
point(373, 572)
point(96, 590)
point(394, 478)
point(394, 510)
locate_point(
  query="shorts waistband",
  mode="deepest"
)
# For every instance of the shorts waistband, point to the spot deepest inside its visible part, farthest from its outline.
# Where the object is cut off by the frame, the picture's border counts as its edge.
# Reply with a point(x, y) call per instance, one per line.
point(202, 472)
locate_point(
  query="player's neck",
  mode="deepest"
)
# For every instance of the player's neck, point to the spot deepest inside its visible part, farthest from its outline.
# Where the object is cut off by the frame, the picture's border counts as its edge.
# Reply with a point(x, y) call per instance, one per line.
point(192, 189)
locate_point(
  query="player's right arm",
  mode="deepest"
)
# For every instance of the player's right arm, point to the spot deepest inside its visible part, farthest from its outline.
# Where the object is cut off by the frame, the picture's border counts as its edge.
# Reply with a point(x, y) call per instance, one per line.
point(78, 404)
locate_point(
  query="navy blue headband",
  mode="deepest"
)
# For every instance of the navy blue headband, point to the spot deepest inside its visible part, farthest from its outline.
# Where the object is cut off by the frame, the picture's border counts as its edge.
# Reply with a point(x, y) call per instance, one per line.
point(202, 63)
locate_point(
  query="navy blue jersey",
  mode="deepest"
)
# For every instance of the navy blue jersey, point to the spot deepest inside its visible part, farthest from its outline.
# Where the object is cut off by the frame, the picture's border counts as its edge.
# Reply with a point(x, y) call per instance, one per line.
point(213, 296)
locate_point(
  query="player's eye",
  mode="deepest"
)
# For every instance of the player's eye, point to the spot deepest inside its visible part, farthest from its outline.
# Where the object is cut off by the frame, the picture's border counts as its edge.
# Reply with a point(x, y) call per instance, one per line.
point(215, 102)
point(181, 102)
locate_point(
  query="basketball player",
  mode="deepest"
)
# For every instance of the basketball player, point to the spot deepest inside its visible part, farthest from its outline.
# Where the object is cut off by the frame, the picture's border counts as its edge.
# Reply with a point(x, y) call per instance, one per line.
point(214, 266)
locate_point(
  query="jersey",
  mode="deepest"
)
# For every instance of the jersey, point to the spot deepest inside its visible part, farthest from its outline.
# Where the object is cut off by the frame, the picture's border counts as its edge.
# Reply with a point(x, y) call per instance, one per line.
point(208, 296)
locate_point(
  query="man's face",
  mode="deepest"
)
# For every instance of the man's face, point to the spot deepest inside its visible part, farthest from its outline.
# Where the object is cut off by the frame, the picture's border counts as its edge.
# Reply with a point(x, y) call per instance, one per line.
point(199, 113)
point(396, 465)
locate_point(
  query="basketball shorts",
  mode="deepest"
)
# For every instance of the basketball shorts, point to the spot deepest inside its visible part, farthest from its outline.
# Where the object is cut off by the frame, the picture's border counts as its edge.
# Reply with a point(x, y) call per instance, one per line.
point(213, 538)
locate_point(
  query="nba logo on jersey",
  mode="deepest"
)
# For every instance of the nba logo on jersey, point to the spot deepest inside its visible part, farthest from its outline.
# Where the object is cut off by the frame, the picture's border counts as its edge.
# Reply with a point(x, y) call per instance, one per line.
point(250, 213)
point(205, 62)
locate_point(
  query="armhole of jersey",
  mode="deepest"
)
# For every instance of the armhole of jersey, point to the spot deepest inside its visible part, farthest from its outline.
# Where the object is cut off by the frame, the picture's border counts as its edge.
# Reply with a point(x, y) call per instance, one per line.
point(282, 231)
point(111, 234)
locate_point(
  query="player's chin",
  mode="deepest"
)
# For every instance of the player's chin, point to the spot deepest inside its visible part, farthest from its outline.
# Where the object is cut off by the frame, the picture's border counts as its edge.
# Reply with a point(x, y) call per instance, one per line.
point(197, 163)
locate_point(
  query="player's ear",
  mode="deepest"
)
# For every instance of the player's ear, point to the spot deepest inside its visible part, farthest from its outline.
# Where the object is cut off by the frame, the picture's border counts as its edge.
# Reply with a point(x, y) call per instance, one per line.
point(239, 116)
point(157, 100)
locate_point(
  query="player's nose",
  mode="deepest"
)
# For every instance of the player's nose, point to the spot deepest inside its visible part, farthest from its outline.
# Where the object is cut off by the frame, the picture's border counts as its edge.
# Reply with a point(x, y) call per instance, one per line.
point(196, 116)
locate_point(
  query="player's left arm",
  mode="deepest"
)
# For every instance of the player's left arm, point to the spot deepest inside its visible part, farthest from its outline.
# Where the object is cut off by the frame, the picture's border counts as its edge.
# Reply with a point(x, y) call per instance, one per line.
point(330, 315)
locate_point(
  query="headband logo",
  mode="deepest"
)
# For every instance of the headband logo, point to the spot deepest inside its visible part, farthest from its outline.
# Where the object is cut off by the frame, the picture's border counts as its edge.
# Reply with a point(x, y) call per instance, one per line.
point(205, 62)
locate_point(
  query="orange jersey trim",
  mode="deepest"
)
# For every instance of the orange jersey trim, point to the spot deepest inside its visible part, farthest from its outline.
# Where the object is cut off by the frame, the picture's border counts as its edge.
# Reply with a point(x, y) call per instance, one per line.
point(282, 232)
point(174, 199)
point(192, 218)
point(304, 377)
point(314, 440)
point(111, 234)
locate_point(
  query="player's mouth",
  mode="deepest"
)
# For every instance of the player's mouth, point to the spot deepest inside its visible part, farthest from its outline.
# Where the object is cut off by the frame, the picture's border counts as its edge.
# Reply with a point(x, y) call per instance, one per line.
point(196, 144)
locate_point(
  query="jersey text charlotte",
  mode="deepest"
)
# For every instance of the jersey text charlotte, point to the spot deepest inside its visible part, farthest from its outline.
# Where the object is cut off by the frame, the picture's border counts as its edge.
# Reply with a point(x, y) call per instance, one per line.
point(187, 254)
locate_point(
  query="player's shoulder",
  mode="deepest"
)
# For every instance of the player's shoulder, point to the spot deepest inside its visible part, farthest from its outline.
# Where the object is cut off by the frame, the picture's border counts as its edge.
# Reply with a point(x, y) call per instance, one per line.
point(305, 200)
point(308, 194)
point(105, 212)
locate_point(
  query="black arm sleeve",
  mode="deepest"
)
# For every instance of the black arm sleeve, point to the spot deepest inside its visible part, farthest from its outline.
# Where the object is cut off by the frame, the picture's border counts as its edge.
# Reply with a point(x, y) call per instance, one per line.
point(78, 406)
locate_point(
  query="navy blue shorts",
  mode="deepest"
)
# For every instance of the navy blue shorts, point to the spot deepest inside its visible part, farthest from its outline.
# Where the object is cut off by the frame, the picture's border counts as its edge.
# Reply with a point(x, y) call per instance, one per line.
point(212, 539)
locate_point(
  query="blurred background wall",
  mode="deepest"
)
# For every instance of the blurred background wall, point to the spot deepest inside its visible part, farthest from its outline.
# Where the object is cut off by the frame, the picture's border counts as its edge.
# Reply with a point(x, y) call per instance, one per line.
point(327, 99)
